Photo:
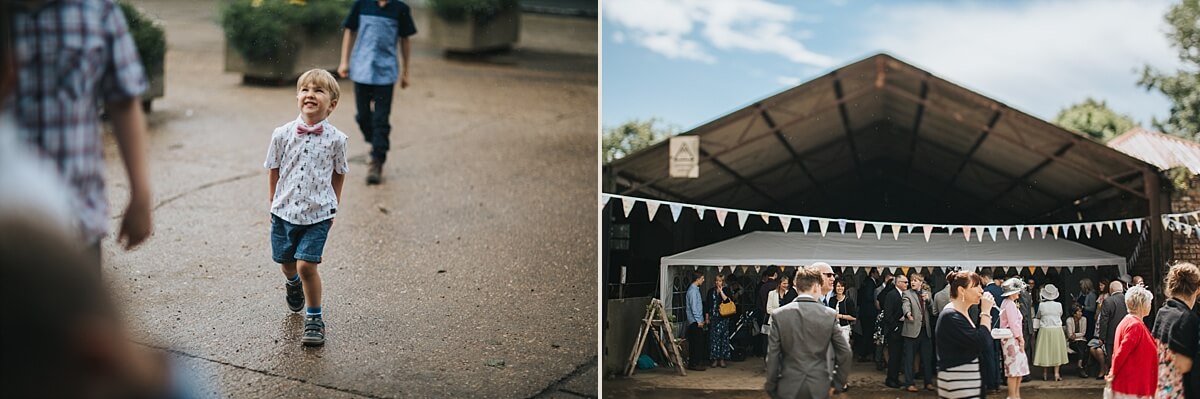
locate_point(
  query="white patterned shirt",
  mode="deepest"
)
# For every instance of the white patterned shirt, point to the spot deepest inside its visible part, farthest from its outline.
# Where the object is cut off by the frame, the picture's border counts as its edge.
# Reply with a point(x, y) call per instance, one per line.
point(304, 194)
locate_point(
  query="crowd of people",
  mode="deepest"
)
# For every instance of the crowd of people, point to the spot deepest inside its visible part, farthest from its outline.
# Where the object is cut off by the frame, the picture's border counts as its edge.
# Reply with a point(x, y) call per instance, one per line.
point(976, 335)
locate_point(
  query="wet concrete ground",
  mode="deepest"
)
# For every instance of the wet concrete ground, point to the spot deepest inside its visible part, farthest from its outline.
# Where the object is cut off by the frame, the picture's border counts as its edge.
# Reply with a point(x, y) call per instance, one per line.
point(469, 273)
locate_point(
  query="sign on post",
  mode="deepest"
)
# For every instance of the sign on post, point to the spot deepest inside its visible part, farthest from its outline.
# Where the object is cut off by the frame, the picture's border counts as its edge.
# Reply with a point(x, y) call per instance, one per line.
point(685, 156)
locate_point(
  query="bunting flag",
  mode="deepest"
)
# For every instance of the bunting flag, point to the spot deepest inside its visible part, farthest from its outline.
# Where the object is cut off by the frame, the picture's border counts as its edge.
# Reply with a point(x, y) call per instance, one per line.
point(858, 227)
point(1031, 269)
point(979, 233)
point(1071, 268)
point(1117, 226)
point(1006, 229)
point(904, 270)
point(950, 229)
point(1045, 269)
point(1087, 229)
point(824, 225)
point(652, 208)
point(721, 213)
point(1055, 231)
point(744, 267)
point(742, 220)
point(1138, 223)
point(785, 222)
point(675, 209)
point(627, 204)
point(700, 212)
point(896, 231)
point(842, 225)
point(804, 223)
point(967, 233)
point(1100, 229)
point(893, 270)
point(766, 218)
point(992, 231)
point(1129, 225)
point(1032, 230)
point(1044, 228)
point(1075, 229)
point(927, 230)
point(604, 200)
point(878, 230)
point(1020, 231)
point(757, 268)
point(910, 228)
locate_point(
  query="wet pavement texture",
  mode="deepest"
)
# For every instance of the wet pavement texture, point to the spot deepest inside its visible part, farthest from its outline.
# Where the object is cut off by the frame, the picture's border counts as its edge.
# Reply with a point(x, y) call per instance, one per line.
point(469, 273)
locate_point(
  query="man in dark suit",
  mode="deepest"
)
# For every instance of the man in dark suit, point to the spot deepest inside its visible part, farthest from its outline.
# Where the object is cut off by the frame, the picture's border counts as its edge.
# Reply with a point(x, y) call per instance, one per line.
point(1111, 313)
point(802, 333)
point(867, 311)
point(892, 313)
point(770, 283)
point(991, 362)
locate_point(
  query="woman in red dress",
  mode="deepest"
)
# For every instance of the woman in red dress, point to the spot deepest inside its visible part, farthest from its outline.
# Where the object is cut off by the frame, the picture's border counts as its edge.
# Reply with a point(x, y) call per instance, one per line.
point(1134, 372)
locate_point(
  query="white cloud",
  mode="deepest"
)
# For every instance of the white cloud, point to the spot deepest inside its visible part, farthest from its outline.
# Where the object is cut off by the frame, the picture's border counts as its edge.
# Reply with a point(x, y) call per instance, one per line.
point(1038, 56)
point(673, 28)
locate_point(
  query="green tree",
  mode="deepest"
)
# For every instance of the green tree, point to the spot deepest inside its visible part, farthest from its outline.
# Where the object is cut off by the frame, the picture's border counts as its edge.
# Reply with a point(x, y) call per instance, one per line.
point(636, 134)
point(1095, 119)
point(1183, 86)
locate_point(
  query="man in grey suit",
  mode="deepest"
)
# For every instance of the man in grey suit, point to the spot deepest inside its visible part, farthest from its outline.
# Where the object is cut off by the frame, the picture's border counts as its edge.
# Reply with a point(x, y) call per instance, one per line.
point(801, 334)
point(1112, 311)
point(917, 330)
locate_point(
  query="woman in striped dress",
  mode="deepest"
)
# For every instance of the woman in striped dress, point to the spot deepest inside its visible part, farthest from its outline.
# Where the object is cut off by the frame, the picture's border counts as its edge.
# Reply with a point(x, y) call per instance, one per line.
point(959, 340)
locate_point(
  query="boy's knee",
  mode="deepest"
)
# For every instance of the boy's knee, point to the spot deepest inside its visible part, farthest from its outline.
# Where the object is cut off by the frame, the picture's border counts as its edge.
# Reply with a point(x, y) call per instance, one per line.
point(307, 269)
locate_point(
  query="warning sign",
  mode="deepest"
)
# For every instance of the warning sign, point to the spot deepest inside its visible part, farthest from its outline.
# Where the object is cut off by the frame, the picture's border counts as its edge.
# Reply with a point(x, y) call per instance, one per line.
point(685, 156)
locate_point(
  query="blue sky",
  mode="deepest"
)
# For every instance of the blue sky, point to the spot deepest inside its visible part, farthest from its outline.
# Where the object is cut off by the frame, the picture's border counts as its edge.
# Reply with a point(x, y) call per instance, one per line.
point(691, 61)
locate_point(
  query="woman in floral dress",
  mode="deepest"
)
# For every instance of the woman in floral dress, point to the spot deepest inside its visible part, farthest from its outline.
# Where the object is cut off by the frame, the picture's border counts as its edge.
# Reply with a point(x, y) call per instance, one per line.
point(1016, 363)
point(718, 332)
point(1175, 333)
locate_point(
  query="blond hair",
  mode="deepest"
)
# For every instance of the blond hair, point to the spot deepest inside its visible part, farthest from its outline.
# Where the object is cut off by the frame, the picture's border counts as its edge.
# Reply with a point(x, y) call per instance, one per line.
point(321, 78)
point(1138, 298)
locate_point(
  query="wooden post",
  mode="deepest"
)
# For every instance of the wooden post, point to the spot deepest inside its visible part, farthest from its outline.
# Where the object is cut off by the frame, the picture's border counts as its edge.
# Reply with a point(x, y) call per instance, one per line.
point(1153, 190)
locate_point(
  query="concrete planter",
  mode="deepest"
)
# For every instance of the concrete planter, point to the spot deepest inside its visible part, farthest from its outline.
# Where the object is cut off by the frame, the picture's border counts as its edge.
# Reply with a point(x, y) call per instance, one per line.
point(157, 86)
point(315, 51)
point(470, 35)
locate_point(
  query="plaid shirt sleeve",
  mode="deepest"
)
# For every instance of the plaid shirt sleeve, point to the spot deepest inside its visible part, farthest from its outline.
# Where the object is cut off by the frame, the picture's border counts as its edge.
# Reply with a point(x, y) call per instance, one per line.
point(125, 78)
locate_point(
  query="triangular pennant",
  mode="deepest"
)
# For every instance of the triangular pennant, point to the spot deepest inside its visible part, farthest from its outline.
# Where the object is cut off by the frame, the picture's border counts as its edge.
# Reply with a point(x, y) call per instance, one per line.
point(1031, 229)
point(878, 230)
point(804, 223)
point(1032, 268)
point(896, 231)
point(1020, 231)
point(1187, 231)
point(785, 221)
point(1087, 229)
point(842, 225)
point(1117, 226)
point(1070, 268)
point(604, 200)
point(1138, 223)
point(627, 204)
point(675, 209)
point(1054, 229)
point(1006, 230)
point(858, 227)
point(742, 219)
point(824, 225)
point(700, 212)
point(992, 232)
point(967, 233)
point(1044, 228)
point(652, 208)
point(979, 233)
point(757, 268)
point(744, 267)
point(1197, 231)
point(1129, 225)
point(721, 213)
point(766, 218)
point(1100, 229)
point(909, 228)
point(1045, 269)
point(1075, 229)
point(904, 270)
point(928, 230)
point(950, 229)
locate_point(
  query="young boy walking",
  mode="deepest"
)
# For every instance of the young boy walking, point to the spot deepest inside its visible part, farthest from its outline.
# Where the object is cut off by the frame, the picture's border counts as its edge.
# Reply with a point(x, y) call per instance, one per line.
point(373, 28)
point(307, 162)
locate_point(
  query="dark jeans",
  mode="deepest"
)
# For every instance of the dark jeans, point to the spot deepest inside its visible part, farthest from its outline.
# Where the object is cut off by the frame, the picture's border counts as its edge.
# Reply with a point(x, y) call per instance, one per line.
point(373, 121)
point(912, 346)
point(1082, 353)
point(895, 346)
point(696, 345)
point(989, 366)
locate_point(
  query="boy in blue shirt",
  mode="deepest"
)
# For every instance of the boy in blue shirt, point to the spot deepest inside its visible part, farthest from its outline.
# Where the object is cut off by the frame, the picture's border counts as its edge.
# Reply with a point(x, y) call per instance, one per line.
point(369, 59)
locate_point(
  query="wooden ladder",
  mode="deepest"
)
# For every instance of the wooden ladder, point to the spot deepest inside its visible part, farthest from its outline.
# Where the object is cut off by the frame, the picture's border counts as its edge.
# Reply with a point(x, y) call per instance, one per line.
point(656, 320)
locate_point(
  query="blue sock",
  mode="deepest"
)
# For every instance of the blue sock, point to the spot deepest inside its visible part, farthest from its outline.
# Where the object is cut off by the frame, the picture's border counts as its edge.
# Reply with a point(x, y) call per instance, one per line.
point(311, 311)
point(294, 279)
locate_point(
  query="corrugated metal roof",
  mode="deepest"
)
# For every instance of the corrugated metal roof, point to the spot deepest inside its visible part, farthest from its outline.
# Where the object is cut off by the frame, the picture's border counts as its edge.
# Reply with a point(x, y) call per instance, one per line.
point(1161, 150)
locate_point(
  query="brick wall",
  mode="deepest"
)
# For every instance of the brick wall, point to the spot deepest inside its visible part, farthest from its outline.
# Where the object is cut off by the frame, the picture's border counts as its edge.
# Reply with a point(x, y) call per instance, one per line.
point(1184, 248)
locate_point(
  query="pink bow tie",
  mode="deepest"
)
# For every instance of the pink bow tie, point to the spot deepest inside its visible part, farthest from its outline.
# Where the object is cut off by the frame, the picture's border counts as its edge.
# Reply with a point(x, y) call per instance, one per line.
point(315, 130)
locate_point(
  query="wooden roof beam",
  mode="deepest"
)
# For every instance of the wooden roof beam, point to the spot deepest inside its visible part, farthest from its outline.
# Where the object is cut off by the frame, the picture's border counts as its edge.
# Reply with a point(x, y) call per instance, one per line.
point(975, 147)
point(739, 177)
point(641, 185)
point(795, 156)
point(916, 129)
point(845, 115)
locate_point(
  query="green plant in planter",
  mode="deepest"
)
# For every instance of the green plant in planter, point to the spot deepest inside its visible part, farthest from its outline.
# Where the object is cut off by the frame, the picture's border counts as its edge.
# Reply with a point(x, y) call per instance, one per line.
point(149, 38)
point(458, 10)
point(266, 30)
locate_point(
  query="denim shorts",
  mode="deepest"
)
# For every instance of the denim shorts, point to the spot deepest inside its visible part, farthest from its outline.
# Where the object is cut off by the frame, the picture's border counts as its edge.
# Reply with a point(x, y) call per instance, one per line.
point(291, 242)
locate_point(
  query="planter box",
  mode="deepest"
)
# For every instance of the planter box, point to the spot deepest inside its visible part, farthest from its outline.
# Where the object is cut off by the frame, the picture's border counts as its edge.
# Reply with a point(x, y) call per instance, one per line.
point(471, 35)
point(315, 51)
point(157, 86)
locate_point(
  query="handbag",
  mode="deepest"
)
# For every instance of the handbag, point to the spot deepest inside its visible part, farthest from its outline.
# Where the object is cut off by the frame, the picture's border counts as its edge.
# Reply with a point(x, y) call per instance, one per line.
point(1001, 333)
point(727, 308)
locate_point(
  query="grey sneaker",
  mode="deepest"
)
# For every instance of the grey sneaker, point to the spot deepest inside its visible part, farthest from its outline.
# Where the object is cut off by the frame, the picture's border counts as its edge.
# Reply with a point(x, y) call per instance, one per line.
point(314, 331)
point(295, 296)
point(374, 172)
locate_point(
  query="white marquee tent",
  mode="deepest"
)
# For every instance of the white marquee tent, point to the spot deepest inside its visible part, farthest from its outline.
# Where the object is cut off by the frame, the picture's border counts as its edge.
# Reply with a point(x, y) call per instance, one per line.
point(765, 248)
